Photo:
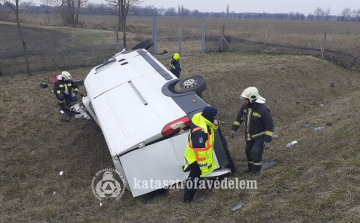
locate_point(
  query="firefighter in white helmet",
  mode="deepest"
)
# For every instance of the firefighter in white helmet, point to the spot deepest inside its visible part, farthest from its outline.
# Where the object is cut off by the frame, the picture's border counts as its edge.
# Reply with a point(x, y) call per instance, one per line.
point(65, 89)
point(259, 127)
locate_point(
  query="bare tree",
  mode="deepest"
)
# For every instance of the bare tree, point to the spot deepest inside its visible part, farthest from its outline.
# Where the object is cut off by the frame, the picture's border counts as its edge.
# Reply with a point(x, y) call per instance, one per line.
point(70, 11)
point(327, 14)
point(171, 12)
point(319, 13)
point(346, 14)
point(291, 15)
point(357, 15)
point(48, 4)
point(13, 6)
point(123, 7)
point(227, 11)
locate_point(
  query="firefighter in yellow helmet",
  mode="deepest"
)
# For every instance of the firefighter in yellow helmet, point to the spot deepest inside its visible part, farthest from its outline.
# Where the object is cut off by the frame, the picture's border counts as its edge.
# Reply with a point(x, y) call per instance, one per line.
point(175, 66)
point(259, 128)
point(199, 151)
point(65, 89)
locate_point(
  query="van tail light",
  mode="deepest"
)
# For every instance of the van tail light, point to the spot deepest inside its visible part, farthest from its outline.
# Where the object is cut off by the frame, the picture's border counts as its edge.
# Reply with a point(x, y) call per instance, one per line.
point(175, 126)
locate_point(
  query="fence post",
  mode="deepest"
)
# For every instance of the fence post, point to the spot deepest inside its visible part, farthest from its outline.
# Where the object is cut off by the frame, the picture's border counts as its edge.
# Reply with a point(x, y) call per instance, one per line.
point(154, 35)
point(324, 46)
point(203, 36)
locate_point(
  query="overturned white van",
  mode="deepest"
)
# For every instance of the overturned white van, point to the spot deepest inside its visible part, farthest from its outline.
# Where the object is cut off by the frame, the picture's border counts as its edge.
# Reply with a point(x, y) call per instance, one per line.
point(141, 107)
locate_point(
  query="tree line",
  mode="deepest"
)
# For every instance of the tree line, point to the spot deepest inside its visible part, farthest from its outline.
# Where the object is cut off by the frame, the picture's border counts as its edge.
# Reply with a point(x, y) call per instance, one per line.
point(111, 7)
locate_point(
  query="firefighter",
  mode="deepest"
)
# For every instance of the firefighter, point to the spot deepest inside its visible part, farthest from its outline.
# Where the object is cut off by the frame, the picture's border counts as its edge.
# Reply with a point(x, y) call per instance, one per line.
point(65, 89)
point(259, 128)
point(199, 151)
point(175, 66)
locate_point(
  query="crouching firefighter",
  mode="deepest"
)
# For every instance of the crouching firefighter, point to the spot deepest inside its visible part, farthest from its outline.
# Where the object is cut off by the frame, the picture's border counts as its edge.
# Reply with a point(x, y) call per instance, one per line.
point(65, 89)
point(199, 151)
point(259, 128)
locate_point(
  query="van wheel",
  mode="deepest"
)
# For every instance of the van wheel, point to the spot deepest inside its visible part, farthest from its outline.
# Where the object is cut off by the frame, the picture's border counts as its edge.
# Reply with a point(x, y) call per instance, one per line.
point(194, 83)
point(146, 44)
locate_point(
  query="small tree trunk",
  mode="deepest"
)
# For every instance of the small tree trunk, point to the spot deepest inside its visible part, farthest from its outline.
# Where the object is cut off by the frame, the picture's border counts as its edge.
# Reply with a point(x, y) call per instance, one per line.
point(124, 33)
point(121, 15)
point(28, 71)
point(47, 12)
point(77, 12)
point(72, 16)
point(117, 37)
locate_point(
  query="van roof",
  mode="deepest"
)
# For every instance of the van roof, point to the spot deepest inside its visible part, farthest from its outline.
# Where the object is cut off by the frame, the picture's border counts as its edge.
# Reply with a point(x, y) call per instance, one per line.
point(126, 96)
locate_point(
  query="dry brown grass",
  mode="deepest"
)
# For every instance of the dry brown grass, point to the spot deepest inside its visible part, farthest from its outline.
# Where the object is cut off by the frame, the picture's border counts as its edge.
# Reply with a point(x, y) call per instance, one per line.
point(314, 181)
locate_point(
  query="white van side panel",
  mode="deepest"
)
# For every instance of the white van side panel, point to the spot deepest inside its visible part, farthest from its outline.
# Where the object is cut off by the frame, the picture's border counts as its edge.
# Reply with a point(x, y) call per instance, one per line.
point(110, 125)
point(112, 77)
point(93, 85)
point(135, 117)
point(139, 67)
point(160, 162)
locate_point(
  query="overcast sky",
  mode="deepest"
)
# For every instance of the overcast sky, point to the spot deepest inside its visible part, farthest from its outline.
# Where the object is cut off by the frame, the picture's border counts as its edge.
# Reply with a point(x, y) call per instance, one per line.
point(271, 6)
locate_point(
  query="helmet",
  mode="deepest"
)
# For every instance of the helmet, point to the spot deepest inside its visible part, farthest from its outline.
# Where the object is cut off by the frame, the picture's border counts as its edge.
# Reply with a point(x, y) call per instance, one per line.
point(66, 75)
point(250, 93)
point(176, 56)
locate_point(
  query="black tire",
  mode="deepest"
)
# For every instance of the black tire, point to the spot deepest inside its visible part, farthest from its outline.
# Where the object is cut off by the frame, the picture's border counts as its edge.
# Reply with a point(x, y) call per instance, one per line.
point(196, 83)
point(146, 44)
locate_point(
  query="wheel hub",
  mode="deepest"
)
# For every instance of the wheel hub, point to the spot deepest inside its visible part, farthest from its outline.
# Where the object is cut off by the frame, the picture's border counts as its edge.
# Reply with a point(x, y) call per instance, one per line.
point(189, 83)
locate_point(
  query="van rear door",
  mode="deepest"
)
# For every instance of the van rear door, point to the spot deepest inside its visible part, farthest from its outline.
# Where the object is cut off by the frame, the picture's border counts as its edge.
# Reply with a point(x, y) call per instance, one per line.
point(155, 166)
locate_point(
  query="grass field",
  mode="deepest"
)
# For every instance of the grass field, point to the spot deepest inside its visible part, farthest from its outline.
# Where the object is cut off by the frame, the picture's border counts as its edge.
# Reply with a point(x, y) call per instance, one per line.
point(341, 36)
point(315, 181)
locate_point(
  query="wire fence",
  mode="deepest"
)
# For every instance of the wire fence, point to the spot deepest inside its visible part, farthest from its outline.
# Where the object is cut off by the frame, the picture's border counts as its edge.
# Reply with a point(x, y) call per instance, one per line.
point(338, 42)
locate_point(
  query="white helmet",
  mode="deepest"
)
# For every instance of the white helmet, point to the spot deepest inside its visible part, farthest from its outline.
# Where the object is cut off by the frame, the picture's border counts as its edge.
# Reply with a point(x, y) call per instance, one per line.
point(251, 93)
point(66, 75)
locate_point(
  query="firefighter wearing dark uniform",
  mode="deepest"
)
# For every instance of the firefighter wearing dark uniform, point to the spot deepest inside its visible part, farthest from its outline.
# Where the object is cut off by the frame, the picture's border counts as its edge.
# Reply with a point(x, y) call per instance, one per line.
point(199, 151)
point(259, 128)
point(65, 89)
point(175, 66)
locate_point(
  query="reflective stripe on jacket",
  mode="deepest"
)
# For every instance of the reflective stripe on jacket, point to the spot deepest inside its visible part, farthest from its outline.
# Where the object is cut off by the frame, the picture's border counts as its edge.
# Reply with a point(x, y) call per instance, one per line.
point(175, 68)
point(258, 121)
point(61, 86)
point(201, 145)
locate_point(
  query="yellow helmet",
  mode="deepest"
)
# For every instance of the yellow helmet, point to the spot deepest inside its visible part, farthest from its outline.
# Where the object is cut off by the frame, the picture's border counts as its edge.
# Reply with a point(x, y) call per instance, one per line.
point(66, 75)
point(251, 93)
point(176, 56)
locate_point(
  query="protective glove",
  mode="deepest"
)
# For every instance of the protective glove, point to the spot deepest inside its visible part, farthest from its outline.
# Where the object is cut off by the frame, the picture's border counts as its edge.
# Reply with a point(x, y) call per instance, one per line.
point(217, 123)
point(232, 134)
point(66, 92)
point(266, 145)
point(73, 95)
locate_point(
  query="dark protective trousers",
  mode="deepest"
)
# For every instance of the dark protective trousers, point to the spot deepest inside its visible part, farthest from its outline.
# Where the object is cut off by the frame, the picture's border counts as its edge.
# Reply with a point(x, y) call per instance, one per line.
point(192, 182)
point(65, 98)
point(254, 150)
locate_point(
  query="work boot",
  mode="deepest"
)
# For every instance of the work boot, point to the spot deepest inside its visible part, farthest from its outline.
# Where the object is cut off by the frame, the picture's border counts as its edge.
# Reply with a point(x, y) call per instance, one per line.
point(249, 169)
point(256, 168)
point(189, 201)
point(62, 106)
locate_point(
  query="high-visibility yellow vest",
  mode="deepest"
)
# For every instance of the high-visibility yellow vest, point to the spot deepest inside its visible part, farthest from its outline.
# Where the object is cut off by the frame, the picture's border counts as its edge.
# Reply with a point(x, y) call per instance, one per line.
point(203, 156)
